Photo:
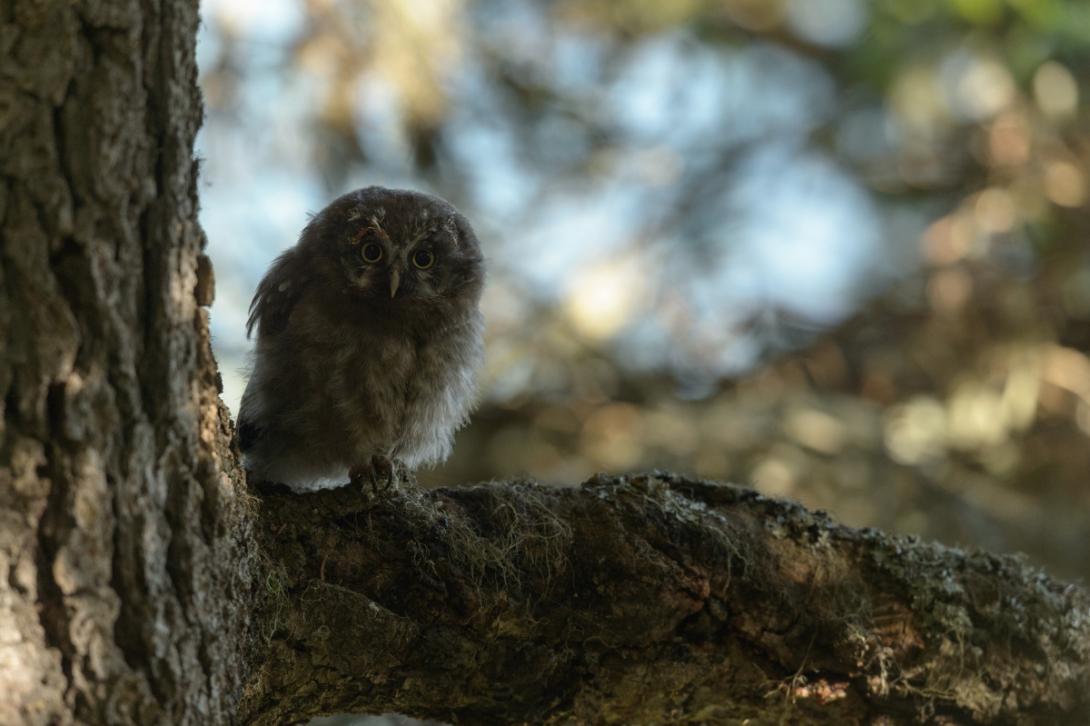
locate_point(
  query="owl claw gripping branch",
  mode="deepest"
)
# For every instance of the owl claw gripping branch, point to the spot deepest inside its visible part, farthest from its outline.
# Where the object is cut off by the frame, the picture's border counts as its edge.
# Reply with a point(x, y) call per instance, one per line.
point(381, 473)
point(369, 337)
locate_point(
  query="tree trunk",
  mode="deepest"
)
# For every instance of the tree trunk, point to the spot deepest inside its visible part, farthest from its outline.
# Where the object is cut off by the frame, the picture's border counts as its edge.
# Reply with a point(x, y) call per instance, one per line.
point(145, 583)
point(123, 546)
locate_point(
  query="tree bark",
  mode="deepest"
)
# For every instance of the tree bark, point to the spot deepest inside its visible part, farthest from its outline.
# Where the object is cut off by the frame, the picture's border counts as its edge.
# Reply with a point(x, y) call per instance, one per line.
point(123, 546)
point(650, 599)
point(144, 582)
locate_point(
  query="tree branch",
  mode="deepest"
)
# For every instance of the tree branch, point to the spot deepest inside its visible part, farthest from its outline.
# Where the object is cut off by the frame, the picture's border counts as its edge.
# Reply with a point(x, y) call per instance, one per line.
point(646, 599)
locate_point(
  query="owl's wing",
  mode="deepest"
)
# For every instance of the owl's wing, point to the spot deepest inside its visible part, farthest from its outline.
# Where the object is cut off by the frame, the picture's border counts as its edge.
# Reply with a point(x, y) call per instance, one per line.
point(248, 434)
point(277, 294)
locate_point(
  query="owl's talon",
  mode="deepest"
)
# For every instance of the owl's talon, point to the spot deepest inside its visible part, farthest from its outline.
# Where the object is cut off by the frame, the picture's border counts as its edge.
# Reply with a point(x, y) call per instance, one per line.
point(405, 475)
point(382, 473)
point(356, 475)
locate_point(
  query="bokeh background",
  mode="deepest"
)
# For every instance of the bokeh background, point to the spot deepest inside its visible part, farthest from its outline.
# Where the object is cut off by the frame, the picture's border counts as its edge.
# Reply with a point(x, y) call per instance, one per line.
point(837, 250)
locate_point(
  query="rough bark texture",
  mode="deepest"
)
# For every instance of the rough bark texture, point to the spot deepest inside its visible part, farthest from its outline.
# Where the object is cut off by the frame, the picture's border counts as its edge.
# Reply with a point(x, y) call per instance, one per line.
point(119, 548)
point(143, 583)
point(651, 599)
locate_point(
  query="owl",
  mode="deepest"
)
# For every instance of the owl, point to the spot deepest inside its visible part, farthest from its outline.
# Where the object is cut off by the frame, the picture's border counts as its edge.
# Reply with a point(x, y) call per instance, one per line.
point(369, 337)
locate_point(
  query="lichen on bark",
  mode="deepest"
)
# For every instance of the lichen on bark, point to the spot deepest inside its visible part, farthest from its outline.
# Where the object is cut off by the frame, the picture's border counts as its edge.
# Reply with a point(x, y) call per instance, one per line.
point(647, 599)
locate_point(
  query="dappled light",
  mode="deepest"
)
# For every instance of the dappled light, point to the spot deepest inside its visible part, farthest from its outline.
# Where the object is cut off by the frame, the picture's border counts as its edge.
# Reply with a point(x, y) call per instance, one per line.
point(838, 250)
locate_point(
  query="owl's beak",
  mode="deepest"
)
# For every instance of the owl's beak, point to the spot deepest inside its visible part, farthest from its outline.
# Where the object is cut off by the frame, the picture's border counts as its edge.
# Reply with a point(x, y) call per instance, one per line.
point(395, 280)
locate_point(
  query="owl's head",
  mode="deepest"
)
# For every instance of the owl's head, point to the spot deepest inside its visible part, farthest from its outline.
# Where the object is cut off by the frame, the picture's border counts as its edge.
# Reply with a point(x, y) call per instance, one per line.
point(397, 247)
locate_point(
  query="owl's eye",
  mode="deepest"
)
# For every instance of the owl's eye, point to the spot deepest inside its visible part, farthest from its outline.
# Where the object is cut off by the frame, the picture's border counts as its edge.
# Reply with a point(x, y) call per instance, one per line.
point(371, 252)
point(423, 259)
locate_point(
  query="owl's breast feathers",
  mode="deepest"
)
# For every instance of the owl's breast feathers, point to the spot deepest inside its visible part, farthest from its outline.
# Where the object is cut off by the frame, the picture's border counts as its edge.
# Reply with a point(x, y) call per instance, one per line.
point(355, 384)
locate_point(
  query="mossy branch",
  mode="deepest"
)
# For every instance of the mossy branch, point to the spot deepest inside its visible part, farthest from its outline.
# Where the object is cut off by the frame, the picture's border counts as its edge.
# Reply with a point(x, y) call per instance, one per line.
point(649, 599)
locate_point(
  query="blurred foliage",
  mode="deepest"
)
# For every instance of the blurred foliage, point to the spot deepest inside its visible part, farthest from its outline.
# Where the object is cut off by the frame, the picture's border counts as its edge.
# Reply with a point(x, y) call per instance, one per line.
point(952, 401)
